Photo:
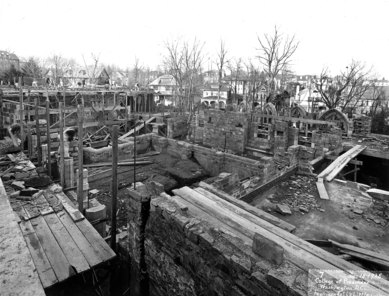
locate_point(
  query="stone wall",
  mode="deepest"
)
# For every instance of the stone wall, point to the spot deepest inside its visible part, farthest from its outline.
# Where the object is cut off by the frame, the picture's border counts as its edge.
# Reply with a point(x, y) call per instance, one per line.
point(225, 130)
point(330, 140)
point(216, 162)
point(92, 155)
point(188, 255)
point(177, 127)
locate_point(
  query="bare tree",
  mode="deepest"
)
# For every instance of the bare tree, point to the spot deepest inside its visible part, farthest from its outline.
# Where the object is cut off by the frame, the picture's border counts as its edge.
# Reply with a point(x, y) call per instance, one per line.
point(220, 63)
point(235, 67)
point(345, 90)
point(378, 98)
point(57, 64)
point(92, 70)
point(275, 55)
point(184, 62)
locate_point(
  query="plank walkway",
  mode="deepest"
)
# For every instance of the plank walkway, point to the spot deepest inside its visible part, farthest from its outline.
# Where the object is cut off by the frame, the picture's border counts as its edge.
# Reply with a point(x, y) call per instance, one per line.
point(61, 242)
point(18, 275)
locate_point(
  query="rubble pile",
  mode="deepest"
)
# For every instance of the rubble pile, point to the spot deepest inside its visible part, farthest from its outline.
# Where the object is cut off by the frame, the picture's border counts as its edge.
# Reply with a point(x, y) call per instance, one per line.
point(298, 194)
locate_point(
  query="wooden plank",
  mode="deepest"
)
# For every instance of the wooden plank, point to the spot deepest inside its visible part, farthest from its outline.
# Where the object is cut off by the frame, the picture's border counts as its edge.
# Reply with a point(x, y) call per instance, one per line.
point(352, 161)
point(322, 189)
point(253, 210)
point(361, 251)
point(302, 253)
point(96, 165)
point(343, 160)
point(90, 253)
point(335, 167)
point(75, 214)
point(80, 192)
point(54, 253)
point(94, 238)
point(41, 262)
point(137, 128)
point(114, 186)
point(91, 234)
point(382, 263)
point(67, 244)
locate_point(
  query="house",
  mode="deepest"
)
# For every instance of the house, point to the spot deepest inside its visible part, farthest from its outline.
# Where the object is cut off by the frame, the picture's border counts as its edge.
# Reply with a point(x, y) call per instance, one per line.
point(309, 99)
point(211, 95)
point(9, 63)
point(164, 87)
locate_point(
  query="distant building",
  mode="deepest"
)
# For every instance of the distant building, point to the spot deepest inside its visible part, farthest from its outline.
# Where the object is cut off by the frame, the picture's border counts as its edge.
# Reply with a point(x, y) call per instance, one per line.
point(211, 95)
point(164, 88)
point(7, 60)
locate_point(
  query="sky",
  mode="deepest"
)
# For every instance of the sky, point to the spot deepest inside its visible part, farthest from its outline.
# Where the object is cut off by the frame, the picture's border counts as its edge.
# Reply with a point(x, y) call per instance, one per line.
point(330, 33)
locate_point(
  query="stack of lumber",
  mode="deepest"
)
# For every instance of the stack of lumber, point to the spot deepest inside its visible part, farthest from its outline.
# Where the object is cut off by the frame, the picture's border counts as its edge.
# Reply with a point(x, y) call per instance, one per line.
point(277, 244)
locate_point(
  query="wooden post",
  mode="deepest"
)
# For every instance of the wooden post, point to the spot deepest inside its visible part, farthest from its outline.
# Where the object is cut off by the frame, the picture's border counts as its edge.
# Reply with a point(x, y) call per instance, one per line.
point(38, 132)
point(21, 114)
point(48, 136)
point(355, 172)
point(103, 107)
point(1, 110)
point(80, 190)
point(61, 147)
point(29, 137)
point(115, 132)
point(126, 126)
point(64, 107)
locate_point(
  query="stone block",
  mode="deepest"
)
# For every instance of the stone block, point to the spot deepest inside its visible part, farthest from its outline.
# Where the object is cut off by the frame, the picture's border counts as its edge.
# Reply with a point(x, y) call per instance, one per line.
point(268, 249)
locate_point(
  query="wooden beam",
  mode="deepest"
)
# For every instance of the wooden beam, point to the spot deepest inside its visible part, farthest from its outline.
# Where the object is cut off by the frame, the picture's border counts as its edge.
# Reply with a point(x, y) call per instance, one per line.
point(329, 169)
point(80, 190)
point(21, 114)
point(342, 161)
point(352, 161)
point(48, 138)
point(38, 132)
point(136, 128)
point(115, 133)
point(296, 250)
point(245, 206)
point(322, 189)
point(61, 147)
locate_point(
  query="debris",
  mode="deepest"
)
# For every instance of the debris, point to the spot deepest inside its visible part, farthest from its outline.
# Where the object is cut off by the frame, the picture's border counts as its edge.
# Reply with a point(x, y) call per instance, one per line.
point(19, 185)
point(358, 211)
point(283, 209)
point(303, 209)
point(355, 227)
point(94, 191)
point(378, 194)
point(28, 191)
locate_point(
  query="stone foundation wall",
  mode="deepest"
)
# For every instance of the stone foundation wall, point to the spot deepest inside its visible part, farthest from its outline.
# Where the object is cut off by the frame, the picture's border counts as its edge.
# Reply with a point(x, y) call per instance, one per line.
point(225, 130)
point(92, 155)
point(330, 140)
point(177, 127)
point(216, 162)
point(186, 255)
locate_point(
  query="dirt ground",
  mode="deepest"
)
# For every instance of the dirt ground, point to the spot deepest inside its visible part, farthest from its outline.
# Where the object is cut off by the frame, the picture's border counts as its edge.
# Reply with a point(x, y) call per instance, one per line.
point(347, 217)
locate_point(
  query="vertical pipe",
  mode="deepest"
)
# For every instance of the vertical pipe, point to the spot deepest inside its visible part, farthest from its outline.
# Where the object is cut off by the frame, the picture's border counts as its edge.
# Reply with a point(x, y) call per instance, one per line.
point(80, 191)
point(48, 136)
point(38, 131)
point(21, 114)
point(61, 147)
point(115, 132)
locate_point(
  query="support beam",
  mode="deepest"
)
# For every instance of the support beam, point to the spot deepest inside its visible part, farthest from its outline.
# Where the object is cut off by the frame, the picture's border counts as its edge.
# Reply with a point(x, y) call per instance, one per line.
point(80, 189)
point(38, 132)
point(115, 132)
point(342, 161)
point(48, 136)
point(61, 147)
point(21, 114)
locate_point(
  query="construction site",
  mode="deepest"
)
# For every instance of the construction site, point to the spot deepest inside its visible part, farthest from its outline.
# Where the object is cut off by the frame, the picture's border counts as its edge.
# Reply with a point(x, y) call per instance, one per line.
point(104, 193)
